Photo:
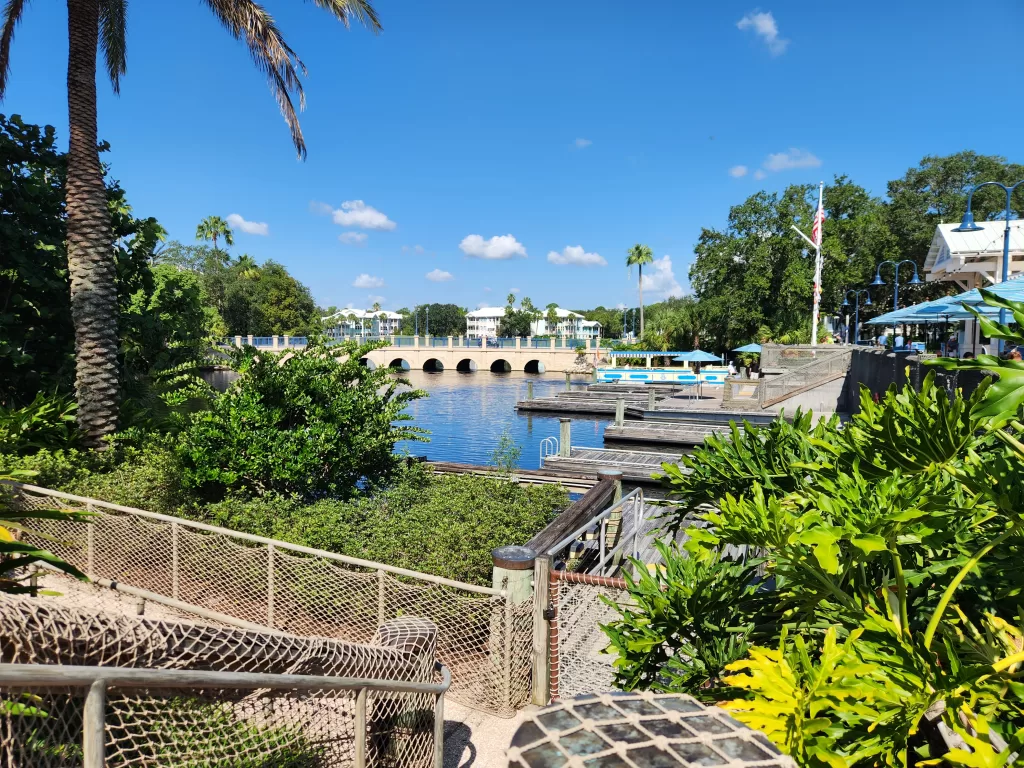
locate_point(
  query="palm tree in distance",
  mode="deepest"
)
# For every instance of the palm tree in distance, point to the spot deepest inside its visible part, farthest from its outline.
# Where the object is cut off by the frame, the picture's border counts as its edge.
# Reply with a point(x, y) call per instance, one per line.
point(247, 267)
point(213, 227)
point(90, 237)
point(511, 299)
point(640, 255)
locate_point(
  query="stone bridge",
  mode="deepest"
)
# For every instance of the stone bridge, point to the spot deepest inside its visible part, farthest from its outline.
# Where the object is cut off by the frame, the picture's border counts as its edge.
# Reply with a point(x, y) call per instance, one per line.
point(458, 353)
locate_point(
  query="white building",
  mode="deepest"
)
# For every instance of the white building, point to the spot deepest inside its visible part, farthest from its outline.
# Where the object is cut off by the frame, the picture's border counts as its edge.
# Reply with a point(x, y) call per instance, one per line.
point(362, 322)
point(974, 259)
point(484, 322)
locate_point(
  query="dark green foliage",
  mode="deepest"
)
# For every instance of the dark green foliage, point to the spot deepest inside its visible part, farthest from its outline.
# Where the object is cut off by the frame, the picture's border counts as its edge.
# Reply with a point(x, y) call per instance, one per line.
point(442, 524)
point(445, 320)
point(301, 423)
point(46, 422)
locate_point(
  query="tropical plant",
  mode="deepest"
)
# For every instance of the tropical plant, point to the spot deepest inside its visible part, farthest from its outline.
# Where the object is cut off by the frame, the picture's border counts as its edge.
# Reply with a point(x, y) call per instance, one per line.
point(552, 318)
point(211, 228)
point(309, 423)
point(881, 629)
point(48, 422)
point(90, 233)
point(639, 255)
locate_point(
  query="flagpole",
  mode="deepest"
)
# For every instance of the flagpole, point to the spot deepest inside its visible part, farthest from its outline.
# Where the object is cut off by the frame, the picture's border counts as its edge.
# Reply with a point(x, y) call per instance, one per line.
point(817, 268)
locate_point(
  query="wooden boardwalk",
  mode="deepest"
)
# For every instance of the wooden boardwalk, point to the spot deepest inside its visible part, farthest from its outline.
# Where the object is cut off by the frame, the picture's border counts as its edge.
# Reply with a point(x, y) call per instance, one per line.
point(635, 466)
point(569, 406)
point(664, 432)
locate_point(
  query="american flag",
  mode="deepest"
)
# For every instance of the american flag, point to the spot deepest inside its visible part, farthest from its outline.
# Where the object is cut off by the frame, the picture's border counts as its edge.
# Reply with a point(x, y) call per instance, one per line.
point(819, 222)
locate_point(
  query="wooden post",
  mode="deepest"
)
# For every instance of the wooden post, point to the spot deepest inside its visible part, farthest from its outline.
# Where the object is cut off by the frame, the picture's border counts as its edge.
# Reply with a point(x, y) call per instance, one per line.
point(94, 732)
point(568, 381)
point(541, 603)
point(513, 570)
point(593, 375)
point(360, 728)
point(439, 731)
point(620, 411)
point(529, 390)
point(650, 399)
point(564, 437)
point(613, 530)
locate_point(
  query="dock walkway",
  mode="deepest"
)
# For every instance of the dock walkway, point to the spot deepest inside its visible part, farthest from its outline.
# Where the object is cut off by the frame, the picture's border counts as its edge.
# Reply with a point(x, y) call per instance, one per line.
point(664, 432)
point(635, 466)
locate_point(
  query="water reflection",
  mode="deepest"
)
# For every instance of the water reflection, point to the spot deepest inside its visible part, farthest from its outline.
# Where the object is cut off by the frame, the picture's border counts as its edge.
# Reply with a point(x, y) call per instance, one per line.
point(467, 412)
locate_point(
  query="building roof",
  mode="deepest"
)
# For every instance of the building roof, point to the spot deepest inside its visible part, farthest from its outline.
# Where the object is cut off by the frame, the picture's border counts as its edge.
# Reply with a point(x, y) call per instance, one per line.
point(363, 314)
point(963, 253)
point(590, 323)
point(487, 312)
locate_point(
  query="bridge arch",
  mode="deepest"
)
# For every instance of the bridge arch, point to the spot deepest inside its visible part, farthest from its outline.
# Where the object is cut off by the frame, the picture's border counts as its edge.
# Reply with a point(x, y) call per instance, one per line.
point(433, 365)
point(534, 366)
point(399, 363)
point(501, 366)
point(467, 366)
point(367, 363)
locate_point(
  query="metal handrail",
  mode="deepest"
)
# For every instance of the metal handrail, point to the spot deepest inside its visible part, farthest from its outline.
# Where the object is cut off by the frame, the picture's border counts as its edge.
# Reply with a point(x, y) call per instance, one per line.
point(99, 679)
point(638, 492)
point(280, 545)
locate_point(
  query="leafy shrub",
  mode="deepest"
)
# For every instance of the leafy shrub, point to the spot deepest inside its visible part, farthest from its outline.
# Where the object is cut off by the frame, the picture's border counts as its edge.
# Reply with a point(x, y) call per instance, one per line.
point(311, 423)
point(47, 422)
point(889, 554)
point(442, 524)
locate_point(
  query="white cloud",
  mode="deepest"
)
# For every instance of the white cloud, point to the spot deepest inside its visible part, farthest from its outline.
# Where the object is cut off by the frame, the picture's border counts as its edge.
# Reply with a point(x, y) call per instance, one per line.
point(353, 238)
point(487, 290)
point(514, 290)
point(583, 143)
point(620, 306)
point(764, 26)
point(738, 171)
point(794, 158)
point(235, 221)
point(413, 248)
point(759, 174)
point(498, 247)
point(660, 280)
point(577, 257)
point(373, 299)
point(354, 213)
point(439, 276)
point(368, 281)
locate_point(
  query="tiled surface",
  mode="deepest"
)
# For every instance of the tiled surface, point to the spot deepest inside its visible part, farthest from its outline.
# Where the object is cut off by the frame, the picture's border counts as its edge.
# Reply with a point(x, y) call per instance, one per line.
point(638, 730)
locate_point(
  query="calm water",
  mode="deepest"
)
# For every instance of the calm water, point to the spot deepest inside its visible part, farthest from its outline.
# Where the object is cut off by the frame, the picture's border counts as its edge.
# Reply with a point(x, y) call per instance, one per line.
point(467, 412)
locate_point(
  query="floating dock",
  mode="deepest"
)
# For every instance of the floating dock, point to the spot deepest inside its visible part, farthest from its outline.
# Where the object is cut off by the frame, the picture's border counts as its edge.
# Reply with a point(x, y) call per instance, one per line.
point(663, 432)
point(569, 406)
point(635, 466)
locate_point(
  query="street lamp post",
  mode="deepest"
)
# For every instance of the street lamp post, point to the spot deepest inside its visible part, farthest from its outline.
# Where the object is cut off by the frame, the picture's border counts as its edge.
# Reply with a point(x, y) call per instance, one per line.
point(856, 298)
point(915, 280)
point(427, 309)
point(968, 225)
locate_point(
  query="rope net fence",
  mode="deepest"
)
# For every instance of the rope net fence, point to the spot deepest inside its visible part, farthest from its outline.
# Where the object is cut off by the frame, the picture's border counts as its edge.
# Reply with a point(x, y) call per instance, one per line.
point(210, 719)
point(482, 637)
point(577, 642)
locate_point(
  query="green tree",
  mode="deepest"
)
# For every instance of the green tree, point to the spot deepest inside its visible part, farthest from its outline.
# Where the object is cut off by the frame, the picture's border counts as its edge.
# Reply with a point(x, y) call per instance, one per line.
point(639, 255)
point(552, 317)
point(445, 319)
point(90, 232)
point(311, 423)
point(211, 228)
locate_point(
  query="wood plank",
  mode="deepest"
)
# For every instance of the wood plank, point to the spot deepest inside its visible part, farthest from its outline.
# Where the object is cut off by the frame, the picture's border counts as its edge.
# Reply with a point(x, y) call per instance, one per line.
point(596, 500)
point(557, 405)
point(669, 433)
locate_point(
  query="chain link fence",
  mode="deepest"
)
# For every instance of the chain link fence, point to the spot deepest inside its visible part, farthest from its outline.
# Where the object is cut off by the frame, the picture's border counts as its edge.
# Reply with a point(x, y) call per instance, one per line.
point(79, 688)
point(482, 636)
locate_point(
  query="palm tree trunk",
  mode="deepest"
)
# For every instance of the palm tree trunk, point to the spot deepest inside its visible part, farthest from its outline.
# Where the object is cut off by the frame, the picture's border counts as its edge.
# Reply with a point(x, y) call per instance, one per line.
point(641, 284)
point(90, 237)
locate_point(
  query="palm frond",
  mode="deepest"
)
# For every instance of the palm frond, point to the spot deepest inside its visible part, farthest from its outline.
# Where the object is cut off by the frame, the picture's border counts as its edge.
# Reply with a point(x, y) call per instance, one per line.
point(346, 10)
point(248, 21)
point(113, 22)
point(12, 15)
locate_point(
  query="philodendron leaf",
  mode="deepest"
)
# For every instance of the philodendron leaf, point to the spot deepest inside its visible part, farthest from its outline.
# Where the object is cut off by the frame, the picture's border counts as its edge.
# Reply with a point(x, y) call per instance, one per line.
point(868, 543)
point(825, 546)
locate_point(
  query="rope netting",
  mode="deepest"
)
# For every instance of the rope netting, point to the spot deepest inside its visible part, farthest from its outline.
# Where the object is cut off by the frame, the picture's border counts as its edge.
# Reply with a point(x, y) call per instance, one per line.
point(583, 666)
point(201, 724)
point(482, 638)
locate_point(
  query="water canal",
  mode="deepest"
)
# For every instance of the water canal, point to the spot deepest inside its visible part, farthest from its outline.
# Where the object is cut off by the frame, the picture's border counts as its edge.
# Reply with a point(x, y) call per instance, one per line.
point(466, 414)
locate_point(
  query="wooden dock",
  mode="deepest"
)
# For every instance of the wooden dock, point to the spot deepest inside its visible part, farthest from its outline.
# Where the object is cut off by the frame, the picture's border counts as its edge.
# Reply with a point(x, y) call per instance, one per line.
point(635, 466)
point(572, 480)
point(664, 432)
point(570, 406)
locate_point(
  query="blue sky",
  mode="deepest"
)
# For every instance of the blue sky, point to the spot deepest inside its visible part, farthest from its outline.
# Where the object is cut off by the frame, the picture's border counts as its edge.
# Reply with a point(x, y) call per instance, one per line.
point(471, 130)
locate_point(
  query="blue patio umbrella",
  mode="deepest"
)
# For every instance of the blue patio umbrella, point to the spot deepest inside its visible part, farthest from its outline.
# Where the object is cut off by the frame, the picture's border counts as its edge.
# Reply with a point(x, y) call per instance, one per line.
point(697, 356)
point(750, 348)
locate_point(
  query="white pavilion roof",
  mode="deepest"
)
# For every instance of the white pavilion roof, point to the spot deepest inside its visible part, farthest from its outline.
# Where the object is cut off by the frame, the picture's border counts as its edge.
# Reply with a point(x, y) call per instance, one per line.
point(974, 258)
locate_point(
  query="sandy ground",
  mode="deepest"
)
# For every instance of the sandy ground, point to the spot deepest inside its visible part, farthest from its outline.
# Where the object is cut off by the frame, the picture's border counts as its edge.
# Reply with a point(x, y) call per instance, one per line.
point(472, 739)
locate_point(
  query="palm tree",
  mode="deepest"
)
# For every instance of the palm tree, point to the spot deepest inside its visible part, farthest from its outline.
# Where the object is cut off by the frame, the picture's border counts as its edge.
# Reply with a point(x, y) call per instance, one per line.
point(248, 269)
point(213, 227)
point(640, 255)
point(511, 299)
point(95, 23)
point(376, 306)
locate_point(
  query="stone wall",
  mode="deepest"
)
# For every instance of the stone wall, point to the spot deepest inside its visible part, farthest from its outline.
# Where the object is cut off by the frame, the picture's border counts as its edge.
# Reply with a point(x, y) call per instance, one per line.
point(878, 369)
